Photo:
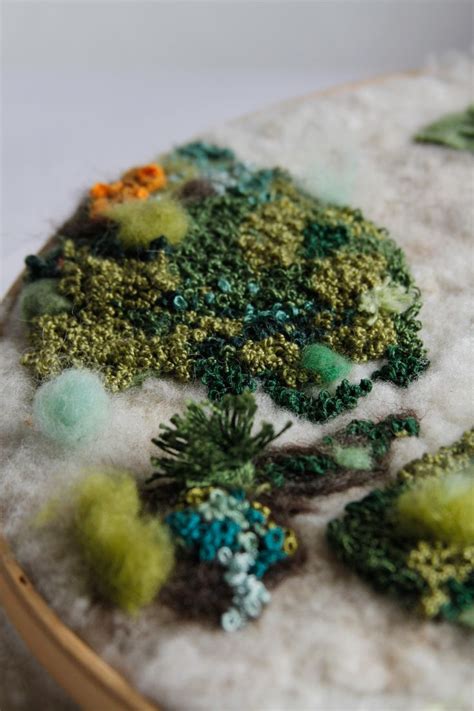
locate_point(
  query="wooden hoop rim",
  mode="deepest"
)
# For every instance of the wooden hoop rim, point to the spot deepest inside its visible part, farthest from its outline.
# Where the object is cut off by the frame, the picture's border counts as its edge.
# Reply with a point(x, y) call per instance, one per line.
point(82, 673)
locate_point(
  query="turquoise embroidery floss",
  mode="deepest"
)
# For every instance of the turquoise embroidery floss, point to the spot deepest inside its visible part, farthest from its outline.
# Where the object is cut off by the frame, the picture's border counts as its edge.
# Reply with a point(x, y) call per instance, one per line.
point(225, 526)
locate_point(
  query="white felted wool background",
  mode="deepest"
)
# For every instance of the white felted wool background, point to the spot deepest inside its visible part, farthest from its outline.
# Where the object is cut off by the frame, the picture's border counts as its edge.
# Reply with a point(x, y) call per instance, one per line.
point(326, 641)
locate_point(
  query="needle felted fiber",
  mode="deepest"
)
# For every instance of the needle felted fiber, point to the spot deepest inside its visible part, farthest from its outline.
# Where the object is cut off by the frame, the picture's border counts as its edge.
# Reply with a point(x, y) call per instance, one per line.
point(326, 363)
point(415, 539)
point(129, 555)
point(142, 222)
point(327, 640)
point(231, 276)
point(71, 408)
point(41, 297)
point(440, 508)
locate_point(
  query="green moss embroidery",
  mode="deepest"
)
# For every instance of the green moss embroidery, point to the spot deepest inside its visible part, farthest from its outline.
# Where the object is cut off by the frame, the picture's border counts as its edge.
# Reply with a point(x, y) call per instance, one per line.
point(233, 286)
point(414, 539)
point(453, 131)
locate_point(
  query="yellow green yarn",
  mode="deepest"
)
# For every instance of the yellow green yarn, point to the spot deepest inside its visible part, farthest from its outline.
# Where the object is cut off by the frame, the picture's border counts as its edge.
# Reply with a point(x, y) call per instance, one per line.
point(437, 564)
point(440, 508)
point(273, 234)
point(141, 222)
point(129, 555)
point(337, 278)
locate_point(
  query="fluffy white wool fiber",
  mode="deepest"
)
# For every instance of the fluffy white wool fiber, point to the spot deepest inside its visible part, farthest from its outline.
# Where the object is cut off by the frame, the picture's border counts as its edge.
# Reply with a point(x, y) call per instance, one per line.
point(327, 641)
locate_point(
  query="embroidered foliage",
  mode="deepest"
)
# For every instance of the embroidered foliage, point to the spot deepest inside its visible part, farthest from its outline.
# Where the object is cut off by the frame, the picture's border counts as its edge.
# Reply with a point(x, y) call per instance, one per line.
point(415, 538)
point(204, 268)
point(213, 444)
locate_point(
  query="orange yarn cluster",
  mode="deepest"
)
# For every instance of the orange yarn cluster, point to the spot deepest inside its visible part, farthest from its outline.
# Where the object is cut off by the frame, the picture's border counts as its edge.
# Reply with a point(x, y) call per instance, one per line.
point(135, 184)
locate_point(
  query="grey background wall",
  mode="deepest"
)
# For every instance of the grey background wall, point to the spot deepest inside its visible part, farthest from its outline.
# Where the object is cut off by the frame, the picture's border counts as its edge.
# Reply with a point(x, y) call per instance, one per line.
point(89, 88)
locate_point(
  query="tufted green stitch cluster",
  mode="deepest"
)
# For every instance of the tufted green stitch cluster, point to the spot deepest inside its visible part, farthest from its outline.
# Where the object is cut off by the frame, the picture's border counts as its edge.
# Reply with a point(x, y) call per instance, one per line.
point(415, 538)
point(224, 526)
point(217, 444)
point(262, 272)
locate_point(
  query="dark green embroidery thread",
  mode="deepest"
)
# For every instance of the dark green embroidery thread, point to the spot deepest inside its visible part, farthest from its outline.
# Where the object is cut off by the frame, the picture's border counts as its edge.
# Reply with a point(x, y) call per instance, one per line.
point(250, 273)
point(415, 538)
point(212, 444)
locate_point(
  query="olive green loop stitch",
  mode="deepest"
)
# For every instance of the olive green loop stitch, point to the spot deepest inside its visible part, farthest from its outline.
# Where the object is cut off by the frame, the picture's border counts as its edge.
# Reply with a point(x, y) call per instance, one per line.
point(263, 271)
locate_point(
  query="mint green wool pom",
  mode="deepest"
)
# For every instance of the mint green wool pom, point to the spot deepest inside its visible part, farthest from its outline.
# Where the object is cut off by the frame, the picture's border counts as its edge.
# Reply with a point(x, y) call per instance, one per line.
point(41, 297)
point(353, 457)
point(71, 408)
point(328, 364)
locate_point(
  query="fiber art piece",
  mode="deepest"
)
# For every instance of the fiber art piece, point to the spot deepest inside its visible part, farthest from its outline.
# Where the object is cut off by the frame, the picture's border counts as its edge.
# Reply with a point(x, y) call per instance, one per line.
point(205, 374)
point(415, 538)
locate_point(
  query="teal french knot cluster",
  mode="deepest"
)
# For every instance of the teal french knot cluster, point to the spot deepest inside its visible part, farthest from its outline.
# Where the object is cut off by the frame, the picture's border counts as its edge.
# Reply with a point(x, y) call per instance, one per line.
point(224, 526)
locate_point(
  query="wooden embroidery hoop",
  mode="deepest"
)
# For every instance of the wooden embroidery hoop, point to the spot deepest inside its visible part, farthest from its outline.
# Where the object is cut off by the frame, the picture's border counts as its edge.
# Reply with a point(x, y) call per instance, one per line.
point(87, 678)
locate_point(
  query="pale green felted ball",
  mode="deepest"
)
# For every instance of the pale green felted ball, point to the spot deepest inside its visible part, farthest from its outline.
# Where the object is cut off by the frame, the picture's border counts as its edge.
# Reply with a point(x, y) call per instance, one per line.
point(142, 221)
point(129, 555)
point(71, 408)
point(41, 297)
point(353, 457)
point(328, 364)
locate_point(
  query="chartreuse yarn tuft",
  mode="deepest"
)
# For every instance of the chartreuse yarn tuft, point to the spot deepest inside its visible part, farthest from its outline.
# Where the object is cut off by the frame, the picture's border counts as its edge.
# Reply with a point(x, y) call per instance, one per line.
point(203, 268)
point(327, 364)
point(42, 297)
point(439, 508)
point(129, 555)
point(415, 538)
point(141, 222)
point(72, 408)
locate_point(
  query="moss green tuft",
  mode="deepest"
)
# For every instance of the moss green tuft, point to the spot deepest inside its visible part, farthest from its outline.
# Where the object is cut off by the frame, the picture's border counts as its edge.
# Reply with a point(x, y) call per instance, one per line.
point(328, 364)
point(439, 508)
point(41, 297)
point(141, 222)
point(129, 555)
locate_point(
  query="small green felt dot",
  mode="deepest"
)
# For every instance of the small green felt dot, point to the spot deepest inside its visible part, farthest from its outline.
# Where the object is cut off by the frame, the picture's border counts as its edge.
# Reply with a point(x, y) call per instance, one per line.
point(353, 457)
point(42, 297)
point(328, 364)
